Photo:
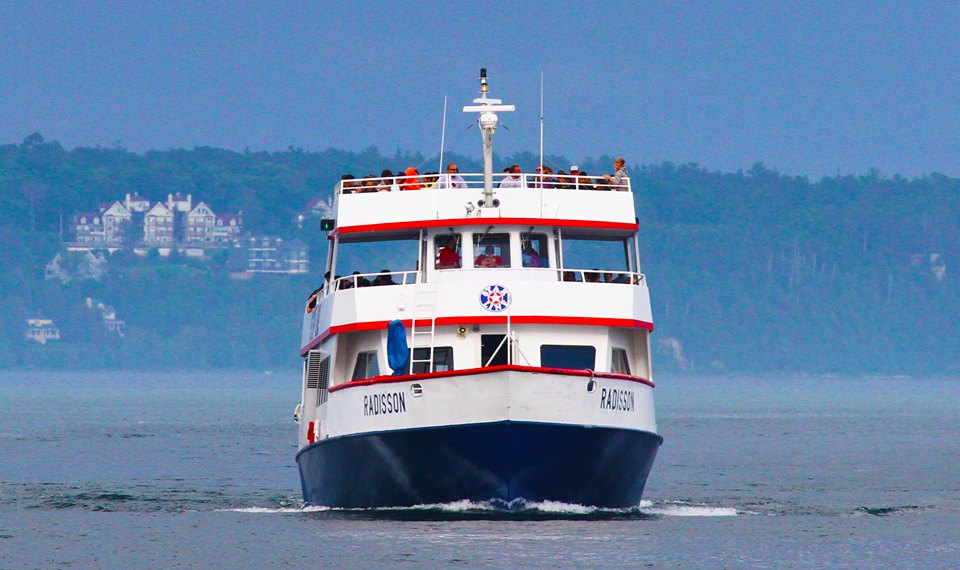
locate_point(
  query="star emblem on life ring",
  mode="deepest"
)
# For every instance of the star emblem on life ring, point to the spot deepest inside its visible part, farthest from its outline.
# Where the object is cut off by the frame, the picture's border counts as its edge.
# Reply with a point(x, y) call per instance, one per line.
point(495, 298)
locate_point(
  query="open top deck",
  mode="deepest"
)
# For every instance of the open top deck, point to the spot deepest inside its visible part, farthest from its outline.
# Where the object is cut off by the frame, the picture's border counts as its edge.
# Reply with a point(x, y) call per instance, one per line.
point(404, 203)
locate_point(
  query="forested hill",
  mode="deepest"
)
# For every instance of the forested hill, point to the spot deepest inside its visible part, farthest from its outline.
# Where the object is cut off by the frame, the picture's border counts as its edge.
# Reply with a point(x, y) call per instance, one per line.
point(748, 270)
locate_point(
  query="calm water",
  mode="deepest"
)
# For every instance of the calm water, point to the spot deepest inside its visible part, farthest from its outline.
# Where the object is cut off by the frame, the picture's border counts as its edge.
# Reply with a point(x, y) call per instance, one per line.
point(197, 470)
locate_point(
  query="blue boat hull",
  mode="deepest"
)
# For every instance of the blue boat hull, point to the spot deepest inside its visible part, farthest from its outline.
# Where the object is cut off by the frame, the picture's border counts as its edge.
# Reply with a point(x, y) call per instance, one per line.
point(504, 461)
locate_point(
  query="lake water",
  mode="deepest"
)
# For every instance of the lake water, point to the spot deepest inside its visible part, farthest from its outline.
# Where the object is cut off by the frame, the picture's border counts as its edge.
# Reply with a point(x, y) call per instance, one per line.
point(121, 470)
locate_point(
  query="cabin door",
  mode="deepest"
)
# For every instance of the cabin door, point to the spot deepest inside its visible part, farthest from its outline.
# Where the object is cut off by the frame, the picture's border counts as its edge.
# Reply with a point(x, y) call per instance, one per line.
point(493, 346)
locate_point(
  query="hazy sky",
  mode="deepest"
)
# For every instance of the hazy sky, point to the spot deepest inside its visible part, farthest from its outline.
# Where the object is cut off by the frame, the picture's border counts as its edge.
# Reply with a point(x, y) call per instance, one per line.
point(806, 87)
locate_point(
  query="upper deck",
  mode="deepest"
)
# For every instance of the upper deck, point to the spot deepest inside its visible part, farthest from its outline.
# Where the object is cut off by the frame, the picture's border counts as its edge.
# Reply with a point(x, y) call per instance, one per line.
point(404, 203)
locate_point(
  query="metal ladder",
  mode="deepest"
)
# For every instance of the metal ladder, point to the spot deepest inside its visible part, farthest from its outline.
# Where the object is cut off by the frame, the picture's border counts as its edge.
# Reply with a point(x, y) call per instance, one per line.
point(423, 324)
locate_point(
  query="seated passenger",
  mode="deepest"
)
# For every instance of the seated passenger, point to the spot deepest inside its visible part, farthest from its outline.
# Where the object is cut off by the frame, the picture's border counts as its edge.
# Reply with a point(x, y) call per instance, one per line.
point(592, 276)
point(564, 182)
point(387, 182)
point(360, 280)
point(488, 258)
point(384, 278)
point(447, 256)
point(345, 284)
point(412, 180)
point(430, 179)
point(348, 184)
point(513, 178)
point(569, 276)
point(368, 184)
point(617, 180)
point(452, 179)
point(584, 182)
point(530, 257)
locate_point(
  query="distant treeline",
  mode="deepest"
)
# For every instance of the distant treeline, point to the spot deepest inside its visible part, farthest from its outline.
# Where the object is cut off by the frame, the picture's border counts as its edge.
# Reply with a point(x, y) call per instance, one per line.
point(749, 271)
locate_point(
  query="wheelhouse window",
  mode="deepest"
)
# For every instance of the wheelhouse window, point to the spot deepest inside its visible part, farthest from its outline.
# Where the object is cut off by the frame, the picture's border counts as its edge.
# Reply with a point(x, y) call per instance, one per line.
point(534, 250)
point(367, 366)
point(447, 251)
point(442, 360)
point(618, 362)
point(493, 250)
point(571, 357)
point(594, 260)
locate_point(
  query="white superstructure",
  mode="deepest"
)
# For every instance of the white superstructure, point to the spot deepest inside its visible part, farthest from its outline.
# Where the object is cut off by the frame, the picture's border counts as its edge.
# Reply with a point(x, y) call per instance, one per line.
point(523, 303)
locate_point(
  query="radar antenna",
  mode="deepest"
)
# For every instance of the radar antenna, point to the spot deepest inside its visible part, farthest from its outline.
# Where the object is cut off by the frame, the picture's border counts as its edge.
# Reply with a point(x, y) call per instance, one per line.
point(488, 109)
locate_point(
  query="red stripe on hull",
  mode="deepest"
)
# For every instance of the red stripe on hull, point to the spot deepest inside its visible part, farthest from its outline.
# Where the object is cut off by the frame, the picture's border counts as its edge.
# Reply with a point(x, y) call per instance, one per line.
point(487, 370)
point(485, 320)
point(458, 222)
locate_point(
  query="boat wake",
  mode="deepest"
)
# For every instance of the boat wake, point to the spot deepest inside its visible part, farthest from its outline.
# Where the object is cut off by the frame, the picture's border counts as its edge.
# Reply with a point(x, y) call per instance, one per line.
point(646, 509)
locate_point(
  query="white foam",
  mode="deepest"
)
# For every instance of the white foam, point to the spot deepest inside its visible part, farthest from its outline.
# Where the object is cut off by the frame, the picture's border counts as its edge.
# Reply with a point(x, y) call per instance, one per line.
point(278, 510)
point(677, 510)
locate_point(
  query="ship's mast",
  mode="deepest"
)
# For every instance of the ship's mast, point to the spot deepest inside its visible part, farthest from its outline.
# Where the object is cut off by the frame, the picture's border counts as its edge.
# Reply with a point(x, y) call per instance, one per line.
point(488, 109)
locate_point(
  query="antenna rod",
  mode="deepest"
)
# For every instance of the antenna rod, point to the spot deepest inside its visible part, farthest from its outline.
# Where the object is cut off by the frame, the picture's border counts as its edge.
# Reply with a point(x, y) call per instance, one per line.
point(443, 134)
point(541, 128)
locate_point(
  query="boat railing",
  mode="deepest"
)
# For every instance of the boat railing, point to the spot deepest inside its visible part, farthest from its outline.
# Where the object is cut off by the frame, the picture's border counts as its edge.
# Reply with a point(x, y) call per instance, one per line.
point(602, 276)
point(361, 280)
point(475, 181)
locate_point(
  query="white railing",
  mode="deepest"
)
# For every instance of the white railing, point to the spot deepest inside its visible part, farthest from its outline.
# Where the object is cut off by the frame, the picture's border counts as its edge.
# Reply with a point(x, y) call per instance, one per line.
point(475, 181)
point(601, 276)
point(359, 280)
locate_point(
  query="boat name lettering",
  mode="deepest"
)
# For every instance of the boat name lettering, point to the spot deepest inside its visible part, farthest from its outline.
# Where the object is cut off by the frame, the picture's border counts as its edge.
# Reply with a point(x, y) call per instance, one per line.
point(389, 403)
point(622, 400)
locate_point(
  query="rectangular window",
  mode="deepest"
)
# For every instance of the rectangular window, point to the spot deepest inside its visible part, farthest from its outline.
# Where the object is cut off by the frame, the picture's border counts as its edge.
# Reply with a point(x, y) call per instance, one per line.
point(447, 251)
point(492, 250)
point(534, 248)
point(442, 360)
point(618, 362)
point(491, 347)
point(367, 366)
point(568, 357)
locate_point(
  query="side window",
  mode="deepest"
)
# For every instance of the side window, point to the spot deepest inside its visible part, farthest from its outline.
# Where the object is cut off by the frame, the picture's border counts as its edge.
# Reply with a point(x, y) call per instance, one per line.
point(568, 357)
point(442, 359)
point(534, 248)
point(447, 252)
point(618, 362)
point(493, 250)
point(367, 366)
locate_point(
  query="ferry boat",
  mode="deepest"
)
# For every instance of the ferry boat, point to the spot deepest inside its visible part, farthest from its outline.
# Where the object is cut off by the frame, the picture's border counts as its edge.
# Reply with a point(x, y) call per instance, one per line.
point(509, 362)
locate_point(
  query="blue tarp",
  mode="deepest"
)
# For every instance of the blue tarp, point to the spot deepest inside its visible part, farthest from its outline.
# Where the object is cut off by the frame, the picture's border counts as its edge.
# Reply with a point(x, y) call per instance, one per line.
point(397, 351)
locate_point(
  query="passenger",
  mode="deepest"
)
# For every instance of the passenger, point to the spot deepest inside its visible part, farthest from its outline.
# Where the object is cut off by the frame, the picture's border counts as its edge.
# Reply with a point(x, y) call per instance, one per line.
point(430, 179)
point(564, 182)
point(348, 184)
point(608, 278)
point(549, 180)
point(312, 300)
point(384, 278)
point(617, 180)
point(344, 284)
point(575, 181)
point(412, 180)
point(514, 177)
point(361, 281)
point(447, 256)
point(368, 184)
point(387, 182)
point(592, 276)
point(584, 182)
point(622, 278)
point(530, 257)
point(569, 276)
point(488, 258)
point(452, 179)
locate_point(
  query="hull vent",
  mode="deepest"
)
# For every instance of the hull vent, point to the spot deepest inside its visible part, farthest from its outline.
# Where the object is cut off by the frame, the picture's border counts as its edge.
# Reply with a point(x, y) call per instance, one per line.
point(318, 374)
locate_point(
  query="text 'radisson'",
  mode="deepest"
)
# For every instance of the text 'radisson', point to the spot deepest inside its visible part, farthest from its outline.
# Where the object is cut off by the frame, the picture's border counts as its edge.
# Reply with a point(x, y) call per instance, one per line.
point(390, 403)
point(622, 400)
